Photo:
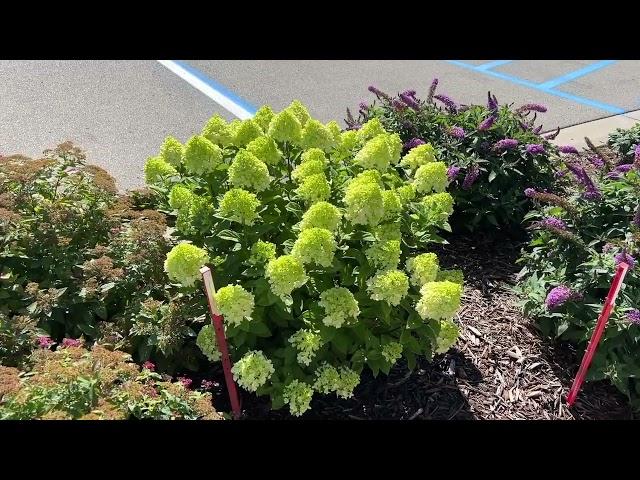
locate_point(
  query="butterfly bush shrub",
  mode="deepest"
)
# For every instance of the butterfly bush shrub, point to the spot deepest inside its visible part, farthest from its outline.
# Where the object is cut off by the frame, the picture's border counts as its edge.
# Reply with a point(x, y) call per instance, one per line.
point(491, 152)
point(625, 142)
point(580, 232)
point(318, 240)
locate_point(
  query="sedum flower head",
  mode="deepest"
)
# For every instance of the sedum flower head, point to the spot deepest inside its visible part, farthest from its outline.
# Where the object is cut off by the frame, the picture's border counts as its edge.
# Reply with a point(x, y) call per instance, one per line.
point(180, 197)
point(307, 342)
point(370, 129)
point(339, 305)
point(235, 303)
point(246, 131)
point(375, 154)
point(423, 268)
point(262, 252)
point(389, 286)
point(407, 193)
point(455, 276)
point(265, 149)
point(440, 300)
point(201, 155)
point(392, 205)
point(384, 255)
point(155, 169)
point(364, 202)
point(207, 343)
point(313, 155)
point(183, 263)
point(440, 204)
point(349, 380)
point(248, 171)
point(418, 156)
point(285, 274)
point(349, 140)
point(388, 231)
point(321, 215)
point(253, 370)
point(392, 352)
point(315, 245)
point(217, 131)
point(298, 109)
point(431, 176)
point(298, 396)
point(305, 169)
point(240, 206)
point(263, 116)
point(314, 188)
point(327, 379)
point(285, 127)
point(447, 336)
point(316, 135)
point(172, 151)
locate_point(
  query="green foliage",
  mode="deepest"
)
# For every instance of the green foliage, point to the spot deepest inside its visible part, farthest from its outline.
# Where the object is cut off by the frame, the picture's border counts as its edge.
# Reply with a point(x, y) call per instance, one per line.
point(305, 246)
point(624, 142)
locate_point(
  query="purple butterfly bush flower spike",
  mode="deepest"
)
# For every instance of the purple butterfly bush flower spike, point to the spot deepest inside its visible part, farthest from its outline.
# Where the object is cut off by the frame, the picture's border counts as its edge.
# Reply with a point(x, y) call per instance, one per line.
point(492, 102)
point(413, 143)
point(633, 316)
point(636, 153)
point(409, 93)
point(636, 217)
point(596, 161)
point(553, 135)
point(452, 172)
point(591, 190)
point(487, 123)
point(448, 102)
point(505, 144)
point(568, 149)
point(531, 107)
point(472, 175)
point(626, 258)
point(409, 101)
point(457, 132)
point(535, 148)
point(558, 296)
point(379, 93)
point(530, 192)
point(398, 105)
point(554, 222)
point(432, 90)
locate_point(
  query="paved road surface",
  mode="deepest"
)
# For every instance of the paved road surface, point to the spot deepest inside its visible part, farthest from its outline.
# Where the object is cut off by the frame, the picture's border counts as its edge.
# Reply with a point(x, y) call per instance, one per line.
point(120, 111)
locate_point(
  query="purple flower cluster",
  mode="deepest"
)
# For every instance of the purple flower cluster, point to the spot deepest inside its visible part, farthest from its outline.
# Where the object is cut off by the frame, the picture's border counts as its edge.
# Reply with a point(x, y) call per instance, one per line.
point(626, 258)
point(636, 217)
point(535, 148)
point(487, 123)
point(432, 90)
point(452, 172)
point(398, 105)
point(492, 102)
point(505, 144)
point(558, 296)
point(409, 101)
point(409, 93)
point(591, 191)
point(537, 130)
point(555, 223)
point(567, 149)
point(149, 366)
point(553, 135)
point(45, 341)
point(363, 107)
point(379, 93)
point(596, 161)
point(457, 132)
point(449, 103)
point(636, 153)
point(472, 175)
point(71, 342)
point(186, 382)
point(633, 316)
point(532, 107)
point(530, 192)
point(413, 143)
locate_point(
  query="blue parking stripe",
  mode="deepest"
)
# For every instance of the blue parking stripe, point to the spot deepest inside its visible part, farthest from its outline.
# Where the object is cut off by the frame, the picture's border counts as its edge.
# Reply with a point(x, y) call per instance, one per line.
point(519, 81)
point(490, 65)
point(576, 74)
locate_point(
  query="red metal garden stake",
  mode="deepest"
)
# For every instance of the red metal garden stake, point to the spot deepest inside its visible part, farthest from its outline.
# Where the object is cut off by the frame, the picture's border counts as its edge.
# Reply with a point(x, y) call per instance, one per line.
point(597, 333)
point(216, 321)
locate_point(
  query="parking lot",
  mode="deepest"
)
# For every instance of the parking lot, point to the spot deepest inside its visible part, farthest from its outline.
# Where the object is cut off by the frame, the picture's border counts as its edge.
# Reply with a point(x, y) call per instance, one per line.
point(120, 111)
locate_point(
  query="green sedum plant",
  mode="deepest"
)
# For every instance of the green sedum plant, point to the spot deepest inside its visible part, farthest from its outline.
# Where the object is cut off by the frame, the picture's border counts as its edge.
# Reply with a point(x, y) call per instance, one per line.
point(313, 235)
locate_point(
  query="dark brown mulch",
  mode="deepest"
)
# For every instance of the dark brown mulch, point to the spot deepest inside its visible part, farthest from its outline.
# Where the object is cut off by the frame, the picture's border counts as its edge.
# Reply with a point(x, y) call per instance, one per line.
point(501, 368)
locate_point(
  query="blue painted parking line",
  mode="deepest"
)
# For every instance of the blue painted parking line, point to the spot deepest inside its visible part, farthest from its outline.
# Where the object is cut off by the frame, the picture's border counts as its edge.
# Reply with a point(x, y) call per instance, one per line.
point(490, 65)
point(558, 93)
point(576, 74)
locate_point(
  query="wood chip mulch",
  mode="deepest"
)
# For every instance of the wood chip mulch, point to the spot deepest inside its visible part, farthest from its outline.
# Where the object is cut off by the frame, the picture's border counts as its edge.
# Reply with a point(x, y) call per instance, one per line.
point(501, 367)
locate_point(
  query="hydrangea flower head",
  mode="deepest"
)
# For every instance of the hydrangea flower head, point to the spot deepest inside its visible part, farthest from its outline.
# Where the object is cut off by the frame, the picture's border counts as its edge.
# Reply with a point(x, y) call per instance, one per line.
point(339, 305)
point(384, 255)
point(201, 155)
point(364, 202)
point(263, 116)
point(180, 197)
point(314, 188)
point(217, 131)
point(370, 129)
point(172, 151)
point(183, 263)
point(285, 127)
point(389, 286)
point(335, 130)
point(313, 155)
point(155, 169)
point(245, 132)
point(235, 303)
point(349, 140)
point(253, 370)
point(262, 252)
point(298, 396)
point(327, 379)
point(321, 215)
point(265, 149)
point(349, 380)
point(316, 135)
point(248, 171)
point(375, 154)
point(298, 109)
point(240, 206)
point(407, 193)
point(307, 342)
point(392, 352)
point(423, 268)
point(418, 156)
point(447, 336)
point(305, 169)
point(315, 245)
point(439, 203)
point(440, 300)
point(392, 204)
point(285, 274)
point(388, 231)
point(431, 177)
point(207, 343)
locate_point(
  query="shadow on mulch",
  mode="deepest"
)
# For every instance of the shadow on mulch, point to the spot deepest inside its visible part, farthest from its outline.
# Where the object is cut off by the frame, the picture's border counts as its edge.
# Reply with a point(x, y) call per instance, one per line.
point(501, 368)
